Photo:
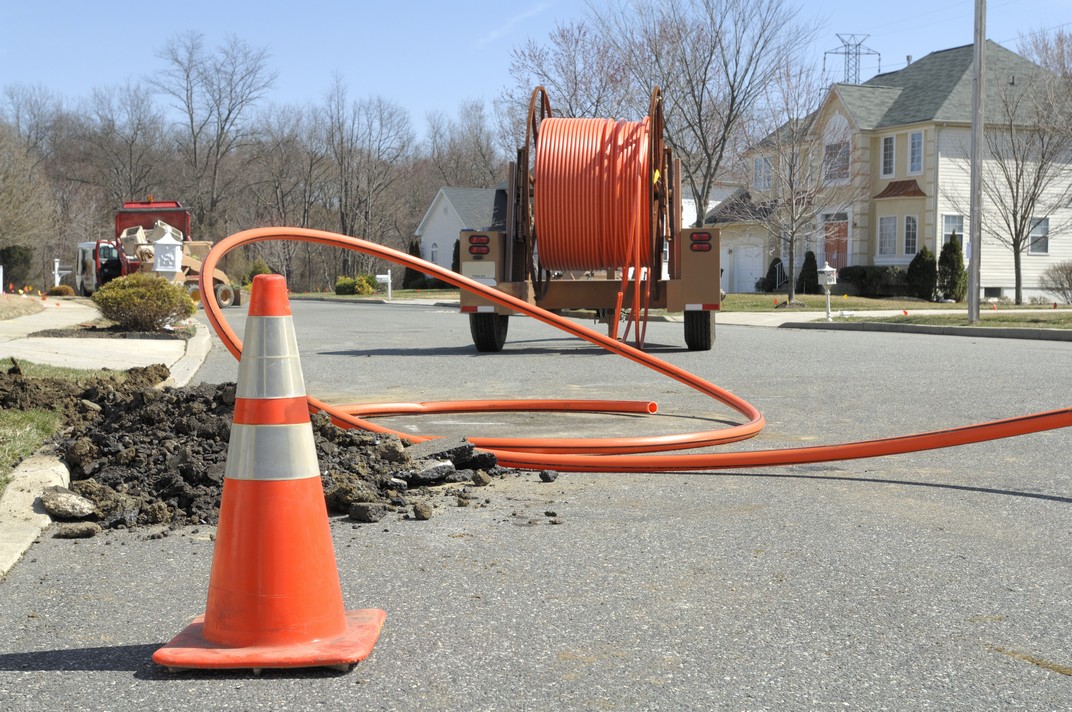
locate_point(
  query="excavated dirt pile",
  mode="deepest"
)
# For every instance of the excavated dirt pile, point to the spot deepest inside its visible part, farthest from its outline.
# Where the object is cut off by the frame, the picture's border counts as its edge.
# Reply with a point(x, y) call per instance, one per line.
point(144, 456)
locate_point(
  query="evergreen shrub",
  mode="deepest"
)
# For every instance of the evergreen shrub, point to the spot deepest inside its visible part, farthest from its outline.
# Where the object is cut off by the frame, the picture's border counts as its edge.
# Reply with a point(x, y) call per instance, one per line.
point(952, 277)
point(808, 279)
point(922, 276)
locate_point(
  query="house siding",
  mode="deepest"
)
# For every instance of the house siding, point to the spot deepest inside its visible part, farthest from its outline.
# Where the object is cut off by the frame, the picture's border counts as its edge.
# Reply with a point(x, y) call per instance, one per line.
point(997, 270)
point(441, 228)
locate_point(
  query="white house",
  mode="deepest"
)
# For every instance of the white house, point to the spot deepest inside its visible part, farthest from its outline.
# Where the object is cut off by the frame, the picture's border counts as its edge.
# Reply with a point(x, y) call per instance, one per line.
point(453, 210)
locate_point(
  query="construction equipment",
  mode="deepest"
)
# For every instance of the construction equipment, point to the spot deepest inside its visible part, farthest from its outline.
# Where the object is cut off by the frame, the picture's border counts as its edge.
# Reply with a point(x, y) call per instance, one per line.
point(590, 219)
point(138, 225)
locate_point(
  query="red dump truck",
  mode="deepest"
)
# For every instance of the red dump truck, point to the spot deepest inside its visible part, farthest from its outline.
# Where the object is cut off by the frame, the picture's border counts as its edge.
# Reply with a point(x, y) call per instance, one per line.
point(138, 225)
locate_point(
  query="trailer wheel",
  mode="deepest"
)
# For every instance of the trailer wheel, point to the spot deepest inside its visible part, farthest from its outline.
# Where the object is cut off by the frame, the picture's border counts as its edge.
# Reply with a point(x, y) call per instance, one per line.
point(225, 294)
point(489, 331)
point(699, 330)
point(194, 291)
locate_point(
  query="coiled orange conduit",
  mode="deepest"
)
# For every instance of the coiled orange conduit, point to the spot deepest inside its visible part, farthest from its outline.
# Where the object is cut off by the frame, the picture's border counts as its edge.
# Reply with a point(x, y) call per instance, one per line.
point(590, 200)
point(606, 454)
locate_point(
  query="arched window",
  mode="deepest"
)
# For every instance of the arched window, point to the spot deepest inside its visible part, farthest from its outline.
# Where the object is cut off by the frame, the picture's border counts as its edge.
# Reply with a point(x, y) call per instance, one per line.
point(433, 253)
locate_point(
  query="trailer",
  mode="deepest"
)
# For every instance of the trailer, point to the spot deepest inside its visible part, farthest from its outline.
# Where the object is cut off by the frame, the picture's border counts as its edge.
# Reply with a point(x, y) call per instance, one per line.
point(591, 221)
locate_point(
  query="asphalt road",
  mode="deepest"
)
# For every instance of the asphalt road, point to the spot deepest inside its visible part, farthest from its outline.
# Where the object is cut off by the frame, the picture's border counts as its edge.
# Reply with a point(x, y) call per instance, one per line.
point(936, 580)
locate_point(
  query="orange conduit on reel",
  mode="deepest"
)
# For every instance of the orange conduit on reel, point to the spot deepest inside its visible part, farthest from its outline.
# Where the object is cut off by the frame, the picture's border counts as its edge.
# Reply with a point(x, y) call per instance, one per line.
point(590, 189)
point(603, 454)
point(592, 202)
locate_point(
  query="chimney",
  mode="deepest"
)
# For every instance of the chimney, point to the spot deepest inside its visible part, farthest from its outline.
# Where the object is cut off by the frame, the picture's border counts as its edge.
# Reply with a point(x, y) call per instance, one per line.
point(908, 60)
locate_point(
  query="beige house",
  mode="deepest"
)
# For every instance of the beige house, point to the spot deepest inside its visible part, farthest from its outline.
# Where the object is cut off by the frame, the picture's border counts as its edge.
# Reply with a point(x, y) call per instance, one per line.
point(898, 147)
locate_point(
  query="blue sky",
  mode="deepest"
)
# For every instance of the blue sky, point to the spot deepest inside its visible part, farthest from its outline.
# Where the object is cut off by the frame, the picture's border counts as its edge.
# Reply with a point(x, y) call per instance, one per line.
point(423, 55)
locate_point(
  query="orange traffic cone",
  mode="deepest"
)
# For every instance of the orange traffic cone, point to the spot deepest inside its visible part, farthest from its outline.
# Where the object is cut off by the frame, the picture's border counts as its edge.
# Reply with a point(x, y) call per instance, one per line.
point(274, 598)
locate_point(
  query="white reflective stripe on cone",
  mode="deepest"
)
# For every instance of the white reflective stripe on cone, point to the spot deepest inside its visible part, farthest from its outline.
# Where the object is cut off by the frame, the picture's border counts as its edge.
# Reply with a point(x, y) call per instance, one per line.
point(270, 367)
point(271, 452)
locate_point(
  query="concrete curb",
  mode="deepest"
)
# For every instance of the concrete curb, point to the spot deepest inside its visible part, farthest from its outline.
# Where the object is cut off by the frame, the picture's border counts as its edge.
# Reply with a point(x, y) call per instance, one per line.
point(197, 348)
point(985, 332)
point(21, 517)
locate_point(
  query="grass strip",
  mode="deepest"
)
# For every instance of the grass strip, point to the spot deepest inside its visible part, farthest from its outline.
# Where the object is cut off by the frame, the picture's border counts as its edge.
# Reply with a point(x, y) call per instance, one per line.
point(22, 432)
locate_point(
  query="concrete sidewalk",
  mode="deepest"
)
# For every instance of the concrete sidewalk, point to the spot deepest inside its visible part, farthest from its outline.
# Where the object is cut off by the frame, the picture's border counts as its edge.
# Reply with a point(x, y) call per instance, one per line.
point(17, 340)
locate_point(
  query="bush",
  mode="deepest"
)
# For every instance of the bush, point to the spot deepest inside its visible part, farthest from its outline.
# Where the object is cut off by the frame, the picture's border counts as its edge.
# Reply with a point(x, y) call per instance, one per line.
point(18, 264)
point(952, 277)
point(259, 266)
point(143, 302)
point(411, 278)
point(363, 285)
point(808, 279)
point(62, 290)
point(922, 277)
point(1057, 280)
point(770, 282)
point(873, 280)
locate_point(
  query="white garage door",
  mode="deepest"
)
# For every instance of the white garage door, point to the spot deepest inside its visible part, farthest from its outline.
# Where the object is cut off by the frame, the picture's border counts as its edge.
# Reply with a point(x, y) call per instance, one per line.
point(747, 267)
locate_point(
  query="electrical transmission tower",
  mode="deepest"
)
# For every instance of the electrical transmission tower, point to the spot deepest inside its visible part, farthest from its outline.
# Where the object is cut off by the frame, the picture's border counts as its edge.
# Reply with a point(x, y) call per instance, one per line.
point(852, 46)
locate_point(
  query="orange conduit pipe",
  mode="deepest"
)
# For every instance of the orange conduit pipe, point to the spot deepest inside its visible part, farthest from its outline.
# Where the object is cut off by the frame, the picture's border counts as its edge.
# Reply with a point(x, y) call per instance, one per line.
point(591, 185)
point(608, 454)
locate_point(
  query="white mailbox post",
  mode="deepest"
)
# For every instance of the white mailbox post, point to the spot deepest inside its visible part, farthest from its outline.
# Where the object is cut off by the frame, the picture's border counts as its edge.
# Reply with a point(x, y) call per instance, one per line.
point(167, 257)
point(828, 278)
point(385, 279)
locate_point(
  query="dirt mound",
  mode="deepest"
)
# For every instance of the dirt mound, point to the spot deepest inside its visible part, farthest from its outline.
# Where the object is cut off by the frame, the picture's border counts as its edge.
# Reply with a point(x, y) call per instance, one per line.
point(78, 401)
point(145, 456)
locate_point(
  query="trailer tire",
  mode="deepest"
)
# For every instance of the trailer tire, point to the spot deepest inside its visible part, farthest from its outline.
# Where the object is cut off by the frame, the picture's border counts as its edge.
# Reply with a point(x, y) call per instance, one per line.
point(699, 330)
point(225, 294)
point(194, 291)
point(489, 331)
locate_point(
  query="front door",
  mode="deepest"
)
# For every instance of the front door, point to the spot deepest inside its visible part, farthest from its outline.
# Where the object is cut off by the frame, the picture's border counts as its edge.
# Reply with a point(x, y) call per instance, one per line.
point(836, 245)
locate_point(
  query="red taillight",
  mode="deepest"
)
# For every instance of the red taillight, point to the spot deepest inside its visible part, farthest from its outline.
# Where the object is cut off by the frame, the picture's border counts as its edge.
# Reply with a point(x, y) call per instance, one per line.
point(479, 249)
point(701, 241)
point(479, 240)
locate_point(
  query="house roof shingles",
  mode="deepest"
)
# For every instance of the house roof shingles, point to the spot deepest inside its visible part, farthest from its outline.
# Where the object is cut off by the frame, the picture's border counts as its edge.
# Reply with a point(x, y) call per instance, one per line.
point(938, 87)
point(474, 205)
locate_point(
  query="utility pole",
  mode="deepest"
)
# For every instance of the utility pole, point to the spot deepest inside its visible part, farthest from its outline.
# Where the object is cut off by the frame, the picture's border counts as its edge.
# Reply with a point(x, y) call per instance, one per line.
point(978, 123)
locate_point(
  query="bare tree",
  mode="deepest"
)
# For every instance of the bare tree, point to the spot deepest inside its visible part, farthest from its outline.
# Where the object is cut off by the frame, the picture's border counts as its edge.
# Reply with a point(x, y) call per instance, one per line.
point(714, 59)
point(32, 113)
point(582, 72)
point(27, 210)
point(289, 166)
point(370, 143)
point(800, 170)
point(1027, 167)
point(1028, 175)
point(463, 150)
point(1050, 50)
point(121, 144)
point(579, 67)
point(215, 94)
